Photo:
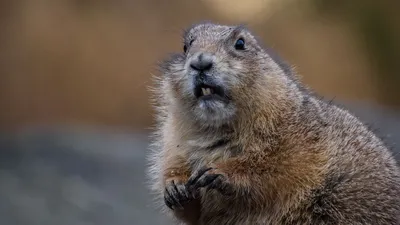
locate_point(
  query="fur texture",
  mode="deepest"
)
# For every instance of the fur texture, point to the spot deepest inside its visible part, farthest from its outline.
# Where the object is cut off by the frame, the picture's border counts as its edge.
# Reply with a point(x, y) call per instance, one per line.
point(270, 152)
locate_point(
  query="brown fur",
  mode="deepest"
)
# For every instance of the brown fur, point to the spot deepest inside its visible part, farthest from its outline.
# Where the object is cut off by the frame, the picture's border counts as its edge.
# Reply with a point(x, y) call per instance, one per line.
point(287, 157)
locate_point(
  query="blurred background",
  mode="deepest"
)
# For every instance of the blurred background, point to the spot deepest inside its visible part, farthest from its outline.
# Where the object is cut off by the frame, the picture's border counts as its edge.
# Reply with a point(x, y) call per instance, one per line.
point(74, 101)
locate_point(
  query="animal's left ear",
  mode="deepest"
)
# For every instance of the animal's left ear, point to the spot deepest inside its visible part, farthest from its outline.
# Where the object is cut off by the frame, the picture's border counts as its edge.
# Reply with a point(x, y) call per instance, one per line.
point(252, 40)
point(237, 32)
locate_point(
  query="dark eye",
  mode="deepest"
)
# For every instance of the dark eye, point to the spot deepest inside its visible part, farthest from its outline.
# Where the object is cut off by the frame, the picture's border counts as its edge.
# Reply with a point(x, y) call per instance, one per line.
point(185, 47)
point(239, 45)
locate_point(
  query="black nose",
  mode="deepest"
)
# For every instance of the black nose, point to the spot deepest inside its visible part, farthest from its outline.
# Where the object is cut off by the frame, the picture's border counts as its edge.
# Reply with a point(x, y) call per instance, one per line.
point(202, 62)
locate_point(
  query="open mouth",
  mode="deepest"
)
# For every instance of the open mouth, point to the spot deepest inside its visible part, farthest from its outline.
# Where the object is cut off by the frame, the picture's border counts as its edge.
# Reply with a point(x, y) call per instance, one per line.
point(204, 91)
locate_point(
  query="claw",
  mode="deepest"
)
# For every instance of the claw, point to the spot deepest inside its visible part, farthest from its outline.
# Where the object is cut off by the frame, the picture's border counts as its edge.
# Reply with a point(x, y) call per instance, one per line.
point(219, 185)
point(180, 192)
point(206, 180)
point(169, 201)
point(193, 179)
point(175, 196)
point(201, 179)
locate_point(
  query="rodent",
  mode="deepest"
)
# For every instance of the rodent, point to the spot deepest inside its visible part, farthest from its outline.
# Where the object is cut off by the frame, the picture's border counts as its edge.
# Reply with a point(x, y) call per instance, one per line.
point(240, 140)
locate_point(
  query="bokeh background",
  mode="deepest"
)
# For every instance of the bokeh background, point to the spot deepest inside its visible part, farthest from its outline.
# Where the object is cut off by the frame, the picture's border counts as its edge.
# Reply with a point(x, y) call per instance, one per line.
point(74, 101)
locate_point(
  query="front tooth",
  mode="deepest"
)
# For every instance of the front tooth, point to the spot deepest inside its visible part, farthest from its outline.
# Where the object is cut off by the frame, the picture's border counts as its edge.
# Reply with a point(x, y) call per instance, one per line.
point(204, 91)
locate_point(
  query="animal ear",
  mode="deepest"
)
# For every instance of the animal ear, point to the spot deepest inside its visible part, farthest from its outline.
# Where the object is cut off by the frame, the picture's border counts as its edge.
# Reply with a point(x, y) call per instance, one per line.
point(236, 32)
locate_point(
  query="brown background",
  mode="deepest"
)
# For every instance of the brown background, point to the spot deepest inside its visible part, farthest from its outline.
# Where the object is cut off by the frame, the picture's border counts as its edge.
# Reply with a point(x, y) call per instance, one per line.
point(90, 62)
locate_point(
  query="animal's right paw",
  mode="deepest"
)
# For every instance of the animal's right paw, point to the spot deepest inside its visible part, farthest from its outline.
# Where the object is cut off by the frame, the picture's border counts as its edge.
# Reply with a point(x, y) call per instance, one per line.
point(176, 195)
point(210, 178)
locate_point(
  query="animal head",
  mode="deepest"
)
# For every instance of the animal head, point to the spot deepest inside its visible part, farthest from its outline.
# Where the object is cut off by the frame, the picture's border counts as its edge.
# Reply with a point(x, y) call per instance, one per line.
point(222, 71)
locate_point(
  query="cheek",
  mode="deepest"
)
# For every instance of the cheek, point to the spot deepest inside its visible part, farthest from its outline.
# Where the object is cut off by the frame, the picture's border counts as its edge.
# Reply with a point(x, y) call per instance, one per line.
point(176, 78)
point(232, 72)
point(181, 86)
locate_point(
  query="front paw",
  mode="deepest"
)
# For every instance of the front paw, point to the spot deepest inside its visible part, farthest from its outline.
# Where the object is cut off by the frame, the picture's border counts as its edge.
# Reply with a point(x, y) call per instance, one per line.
point(210, 178)
point(176, 195)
